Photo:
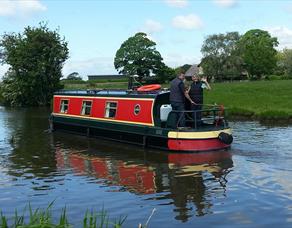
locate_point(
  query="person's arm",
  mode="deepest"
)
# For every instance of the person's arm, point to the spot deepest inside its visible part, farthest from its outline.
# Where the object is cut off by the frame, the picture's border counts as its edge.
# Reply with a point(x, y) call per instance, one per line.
point(206, 83)
point(188, 96)
point(186, 93)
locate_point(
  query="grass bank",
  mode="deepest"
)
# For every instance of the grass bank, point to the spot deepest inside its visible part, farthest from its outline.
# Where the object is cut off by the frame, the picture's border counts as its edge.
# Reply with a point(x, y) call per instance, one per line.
point(263, 100)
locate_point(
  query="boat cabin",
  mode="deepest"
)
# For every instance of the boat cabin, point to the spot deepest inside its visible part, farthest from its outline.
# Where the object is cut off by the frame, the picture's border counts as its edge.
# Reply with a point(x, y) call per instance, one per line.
point(140, 117)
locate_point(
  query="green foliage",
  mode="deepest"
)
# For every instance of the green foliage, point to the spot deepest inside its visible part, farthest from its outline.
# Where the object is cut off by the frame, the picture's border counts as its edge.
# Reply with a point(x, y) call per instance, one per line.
point(258, 52)
point(36, 58)
point(165, 73)
point(284, 63)
point(221, 57)
point(39, 218)
point(273, 77)
point(183, 68)
point(74, 76)
point(138, 56)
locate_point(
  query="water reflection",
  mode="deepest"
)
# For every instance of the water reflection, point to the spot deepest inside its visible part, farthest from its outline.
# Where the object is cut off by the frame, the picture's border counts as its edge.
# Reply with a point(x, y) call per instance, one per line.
point(30, 151)
point(83, 173)
point(188, 181)
point(37, 166)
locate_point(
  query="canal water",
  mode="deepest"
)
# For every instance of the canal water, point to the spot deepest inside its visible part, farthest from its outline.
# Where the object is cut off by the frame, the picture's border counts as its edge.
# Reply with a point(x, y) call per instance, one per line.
point(249, 185)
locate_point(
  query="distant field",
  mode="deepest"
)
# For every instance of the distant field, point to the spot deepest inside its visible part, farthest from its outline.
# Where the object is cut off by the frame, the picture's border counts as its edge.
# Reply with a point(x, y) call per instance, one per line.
point(258, 99)
point(97, 85)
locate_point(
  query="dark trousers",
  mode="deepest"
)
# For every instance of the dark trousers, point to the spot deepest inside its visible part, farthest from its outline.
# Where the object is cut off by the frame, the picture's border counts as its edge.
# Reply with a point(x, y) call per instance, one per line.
point(197, 116)
point(180, 116)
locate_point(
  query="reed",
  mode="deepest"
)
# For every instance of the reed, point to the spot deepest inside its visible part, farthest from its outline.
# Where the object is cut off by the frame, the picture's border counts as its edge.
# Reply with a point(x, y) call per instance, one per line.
point(43, 218)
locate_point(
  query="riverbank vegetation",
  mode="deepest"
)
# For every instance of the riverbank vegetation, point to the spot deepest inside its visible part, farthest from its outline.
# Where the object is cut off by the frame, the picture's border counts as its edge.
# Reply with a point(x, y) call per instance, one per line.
point(44, 218)
point(261, 100)
point(35, 58)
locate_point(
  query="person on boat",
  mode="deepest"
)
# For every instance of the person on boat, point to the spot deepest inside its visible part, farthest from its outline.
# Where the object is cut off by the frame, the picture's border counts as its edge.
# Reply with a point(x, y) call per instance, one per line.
point(195, 92)
point(177, 96)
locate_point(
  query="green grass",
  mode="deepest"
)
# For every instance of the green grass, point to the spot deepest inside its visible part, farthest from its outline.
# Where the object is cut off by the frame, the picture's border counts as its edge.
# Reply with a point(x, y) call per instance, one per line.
point(265, 100)
point(259, 99)
point(39, 218)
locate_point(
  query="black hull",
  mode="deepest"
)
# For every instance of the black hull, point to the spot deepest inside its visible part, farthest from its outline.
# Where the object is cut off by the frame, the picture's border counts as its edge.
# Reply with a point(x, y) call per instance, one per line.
point(120, 136)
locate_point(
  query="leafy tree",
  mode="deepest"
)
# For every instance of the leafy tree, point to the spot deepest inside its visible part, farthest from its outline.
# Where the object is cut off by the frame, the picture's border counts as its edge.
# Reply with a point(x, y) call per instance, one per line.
point(258, 52)
point(74, 76)
point(138, 56)
point(182, 68)
point(165, 73)
point(285, 62)
point(221, 57)
point(36, 58)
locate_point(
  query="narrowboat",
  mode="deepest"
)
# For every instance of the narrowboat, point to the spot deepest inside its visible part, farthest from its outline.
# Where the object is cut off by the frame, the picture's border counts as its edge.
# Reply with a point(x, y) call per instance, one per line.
point(141, 116)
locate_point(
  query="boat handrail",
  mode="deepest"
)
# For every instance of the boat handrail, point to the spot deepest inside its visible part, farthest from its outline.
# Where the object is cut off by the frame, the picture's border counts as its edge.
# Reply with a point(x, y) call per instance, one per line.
point(216, 115)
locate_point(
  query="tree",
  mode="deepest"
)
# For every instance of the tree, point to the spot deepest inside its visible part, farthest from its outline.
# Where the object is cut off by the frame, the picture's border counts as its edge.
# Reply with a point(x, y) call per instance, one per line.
point(258, 52)
point(165, 73)
point(221, 57)
point(183, 68)
point(36, 58)
point(138, 56)
point(285, 62)
point(74, 76)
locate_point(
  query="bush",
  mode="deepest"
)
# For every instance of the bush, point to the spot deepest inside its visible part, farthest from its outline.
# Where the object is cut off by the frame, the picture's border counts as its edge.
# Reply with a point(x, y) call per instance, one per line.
point(273, 77)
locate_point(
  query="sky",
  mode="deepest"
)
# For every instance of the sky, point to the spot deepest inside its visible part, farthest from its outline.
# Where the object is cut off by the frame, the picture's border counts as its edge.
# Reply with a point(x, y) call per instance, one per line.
point(95, 29)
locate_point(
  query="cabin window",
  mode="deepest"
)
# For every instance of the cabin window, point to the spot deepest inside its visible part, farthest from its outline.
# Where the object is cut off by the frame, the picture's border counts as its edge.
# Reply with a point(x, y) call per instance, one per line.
point(86, 108)
point(137, 109)
point(111, 109)
point(64, 106)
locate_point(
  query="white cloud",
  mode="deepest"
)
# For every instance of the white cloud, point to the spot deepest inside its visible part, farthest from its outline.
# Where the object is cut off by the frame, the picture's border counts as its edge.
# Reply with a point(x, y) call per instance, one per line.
point(97, 65)
point(189, 22)
point(283, 34)
point(225, 3)
point(12, 8)
point(152, 26)
point(177, 3)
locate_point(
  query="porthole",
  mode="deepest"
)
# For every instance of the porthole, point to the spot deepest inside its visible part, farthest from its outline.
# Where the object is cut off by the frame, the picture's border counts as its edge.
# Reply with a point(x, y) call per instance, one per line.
point(137, 109)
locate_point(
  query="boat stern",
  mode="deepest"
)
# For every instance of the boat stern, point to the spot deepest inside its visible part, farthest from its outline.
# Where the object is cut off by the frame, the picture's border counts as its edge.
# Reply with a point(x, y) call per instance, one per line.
point(199, 140)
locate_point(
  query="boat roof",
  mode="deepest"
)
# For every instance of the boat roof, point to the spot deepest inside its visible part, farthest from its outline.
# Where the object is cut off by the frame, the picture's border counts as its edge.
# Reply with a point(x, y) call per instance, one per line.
point(112, 93)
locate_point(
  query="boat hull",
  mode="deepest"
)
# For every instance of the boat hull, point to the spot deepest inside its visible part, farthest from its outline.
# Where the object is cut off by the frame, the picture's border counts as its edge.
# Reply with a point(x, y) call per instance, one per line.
point(146, 136)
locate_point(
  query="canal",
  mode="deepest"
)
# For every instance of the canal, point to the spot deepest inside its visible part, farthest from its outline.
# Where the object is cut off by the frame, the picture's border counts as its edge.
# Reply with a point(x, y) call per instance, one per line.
point(248, 185)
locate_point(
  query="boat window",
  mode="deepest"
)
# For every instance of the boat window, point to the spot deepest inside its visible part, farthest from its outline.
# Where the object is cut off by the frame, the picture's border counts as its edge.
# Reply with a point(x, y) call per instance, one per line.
point(110, 109)
point(64, 106)
point(137, 109)
point(86, 108)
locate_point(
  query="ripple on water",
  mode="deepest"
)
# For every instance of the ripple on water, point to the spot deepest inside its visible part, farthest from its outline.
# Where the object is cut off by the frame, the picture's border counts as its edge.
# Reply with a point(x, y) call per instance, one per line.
point(252, 187)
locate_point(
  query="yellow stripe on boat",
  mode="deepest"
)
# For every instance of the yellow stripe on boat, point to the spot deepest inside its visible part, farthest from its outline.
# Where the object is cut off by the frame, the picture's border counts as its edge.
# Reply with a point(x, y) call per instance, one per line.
point(196, 135)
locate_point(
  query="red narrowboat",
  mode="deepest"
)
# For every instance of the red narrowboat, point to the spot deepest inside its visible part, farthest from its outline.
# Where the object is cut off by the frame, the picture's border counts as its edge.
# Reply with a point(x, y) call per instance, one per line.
point(142, 116)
